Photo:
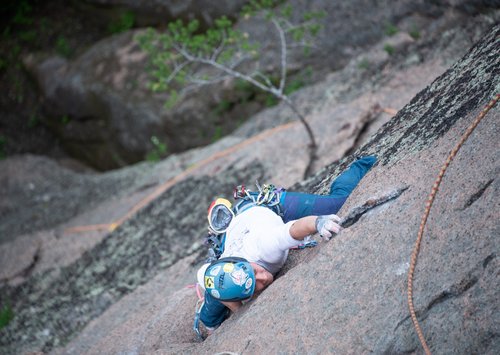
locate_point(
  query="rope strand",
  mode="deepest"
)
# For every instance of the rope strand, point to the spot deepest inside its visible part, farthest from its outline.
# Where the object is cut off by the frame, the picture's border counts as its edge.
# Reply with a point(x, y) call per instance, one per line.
point(428, 206)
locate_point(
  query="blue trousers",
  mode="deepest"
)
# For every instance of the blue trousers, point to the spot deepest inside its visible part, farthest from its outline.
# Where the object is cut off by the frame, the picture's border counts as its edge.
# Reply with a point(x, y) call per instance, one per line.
point(295, 205)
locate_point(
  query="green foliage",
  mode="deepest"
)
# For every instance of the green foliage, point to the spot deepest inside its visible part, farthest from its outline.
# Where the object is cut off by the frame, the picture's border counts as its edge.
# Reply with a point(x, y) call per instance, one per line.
point(179, 54)
point(299, 80)
point(62, 46)
point(271, 100)
point(22, 14)
point(217, 134)
point(28, 36)
point(390, 29)
point(222, 107)
point(159, 150)
point(44, 26)
point(389, 49)
point(364, 64)
point(33, 121)
point(3, 143)
point(123, 23)
point(173, 98)
point(65, 120)
point(6, 315)
point(244, 86)
point(414, 33)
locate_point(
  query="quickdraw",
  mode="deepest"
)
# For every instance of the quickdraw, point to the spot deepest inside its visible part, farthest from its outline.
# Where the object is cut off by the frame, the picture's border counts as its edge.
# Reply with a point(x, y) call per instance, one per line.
point(309, 242)
point(267, 196)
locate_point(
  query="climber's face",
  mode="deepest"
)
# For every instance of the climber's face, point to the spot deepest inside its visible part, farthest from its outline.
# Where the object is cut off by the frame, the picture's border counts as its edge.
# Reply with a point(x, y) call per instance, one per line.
point(263, 278)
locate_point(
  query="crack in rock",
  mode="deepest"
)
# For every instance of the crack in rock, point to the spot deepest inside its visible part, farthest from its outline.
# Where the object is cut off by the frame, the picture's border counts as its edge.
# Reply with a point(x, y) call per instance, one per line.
point(366, 121)
point(470, 279)
point(477, 195)
point(455, 290)
point(355, 213)
point(26, 272)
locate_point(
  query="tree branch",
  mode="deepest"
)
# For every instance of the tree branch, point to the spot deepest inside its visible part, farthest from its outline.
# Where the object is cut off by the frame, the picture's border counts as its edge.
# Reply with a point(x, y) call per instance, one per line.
point(283, 55)
point(220, 48)
point(177, 69)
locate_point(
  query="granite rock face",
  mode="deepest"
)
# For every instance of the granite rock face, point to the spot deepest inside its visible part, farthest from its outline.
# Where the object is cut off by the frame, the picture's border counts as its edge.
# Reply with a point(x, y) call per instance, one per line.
point(344, 296)
point(349, 295)
point(127, 258)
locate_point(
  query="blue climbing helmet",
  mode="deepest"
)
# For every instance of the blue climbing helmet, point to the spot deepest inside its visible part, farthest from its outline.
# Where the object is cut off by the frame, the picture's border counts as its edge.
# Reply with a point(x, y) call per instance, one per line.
point(230, 279)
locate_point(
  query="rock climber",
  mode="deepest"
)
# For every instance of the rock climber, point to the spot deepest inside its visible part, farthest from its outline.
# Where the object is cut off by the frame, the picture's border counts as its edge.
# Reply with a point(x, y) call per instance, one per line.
point(258, 237)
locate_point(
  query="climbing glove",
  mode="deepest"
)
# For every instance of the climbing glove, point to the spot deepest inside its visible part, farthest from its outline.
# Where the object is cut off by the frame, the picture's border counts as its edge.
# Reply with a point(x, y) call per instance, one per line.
point(328, 225)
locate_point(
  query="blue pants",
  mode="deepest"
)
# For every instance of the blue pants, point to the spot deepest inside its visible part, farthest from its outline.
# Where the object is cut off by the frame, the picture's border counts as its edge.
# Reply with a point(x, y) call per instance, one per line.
point(295, 205)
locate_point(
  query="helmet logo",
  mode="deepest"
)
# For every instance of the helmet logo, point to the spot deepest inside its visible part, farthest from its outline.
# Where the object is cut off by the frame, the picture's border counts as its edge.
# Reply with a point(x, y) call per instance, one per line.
point(249, 283)
point(209, 282)
point(239, 277)
point(228, 267)
point(215, 270)
point(215, 293)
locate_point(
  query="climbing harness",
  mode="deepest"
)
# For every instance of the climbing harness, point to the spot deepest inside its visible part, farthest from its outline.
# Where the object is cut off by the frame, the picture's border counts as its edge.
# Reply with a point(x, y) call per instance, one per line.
point(267, 196)
point(428, 206)
point(221, 213)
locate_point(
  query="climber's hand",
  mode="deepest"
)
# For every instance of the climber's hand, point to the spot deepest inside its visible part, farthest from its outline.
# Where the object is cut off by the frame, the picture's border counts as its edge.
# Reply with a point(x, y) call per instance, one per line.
point(328, 225)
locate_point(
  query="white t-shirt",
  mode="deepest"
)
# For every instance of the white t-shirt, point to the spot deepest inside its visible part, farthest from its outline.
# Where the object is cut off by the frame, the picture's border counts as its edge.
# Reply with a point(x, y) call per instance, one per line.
point(259, 235)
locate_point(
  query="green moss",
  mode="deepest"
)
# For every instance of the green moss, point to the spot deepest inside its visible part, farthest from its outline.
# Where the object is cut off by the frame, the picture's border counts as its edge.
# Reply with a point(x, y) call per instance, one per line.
point(158, 152)
point(414, 33)
point(390, 29)
point(6, 315)
point(217, 134)
point(389, 49)
point(364, 64)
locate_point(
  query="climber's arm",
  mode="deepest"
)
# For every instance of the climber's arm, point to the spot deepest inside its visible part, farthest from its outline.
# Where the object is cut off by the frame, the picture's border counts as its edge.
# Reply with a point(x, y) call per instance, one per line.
point(303, 227)
point(326, 226)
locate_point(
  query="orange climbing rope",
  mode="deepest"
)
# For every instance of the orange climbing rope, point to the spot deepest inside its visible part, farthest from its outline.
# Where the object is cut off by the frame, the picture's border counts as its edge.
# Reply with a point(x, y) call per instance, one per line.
point(169, 183)
point(428, 205)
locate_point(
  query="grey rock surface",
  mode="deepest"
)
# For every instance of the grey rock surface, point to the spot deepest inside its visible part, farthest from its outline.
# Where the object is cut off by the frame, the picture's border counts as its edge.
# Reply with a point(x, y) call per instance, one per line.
point(41, 194)
point(349, 295)
point(58, 303)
